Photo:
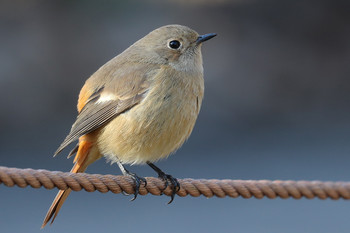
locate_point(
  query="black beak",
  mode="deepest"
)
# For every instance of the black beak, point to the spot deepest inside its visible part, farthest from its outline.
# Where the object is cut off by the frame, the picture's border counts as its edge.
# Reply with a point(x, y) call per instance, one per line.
point(205, 37)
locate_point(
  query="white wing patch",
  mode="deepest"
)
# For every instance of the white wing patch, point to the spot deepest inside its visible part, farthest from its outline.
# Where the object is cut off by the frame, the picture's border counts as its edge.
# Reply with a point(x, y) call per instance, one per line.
point(105, 97)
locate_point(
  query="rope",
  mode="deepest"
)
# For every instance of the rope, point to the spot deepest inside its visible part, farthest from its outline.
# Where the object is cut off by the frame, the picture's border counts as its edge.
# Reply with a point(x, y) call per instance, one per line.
point(213, 187)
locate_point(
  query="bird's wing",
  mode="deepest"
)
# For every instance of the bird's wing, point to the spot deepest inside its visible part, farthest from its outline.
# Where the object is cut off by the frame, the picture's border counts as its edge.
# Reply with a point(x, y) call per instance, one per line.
point(124, 89)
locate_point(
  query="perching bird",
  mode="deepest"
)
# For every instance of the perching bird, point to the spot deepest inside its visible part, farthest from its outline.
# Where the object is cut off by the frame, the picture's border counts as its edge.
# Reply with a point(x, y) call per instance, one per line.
point(140, 106)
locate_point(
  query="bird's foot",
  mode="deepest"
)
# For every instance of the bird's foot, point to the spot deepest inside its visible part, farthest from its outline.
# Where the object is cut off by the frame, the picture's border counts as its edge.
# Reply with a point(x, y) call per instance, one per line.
point(137, 180)
point(175, 185)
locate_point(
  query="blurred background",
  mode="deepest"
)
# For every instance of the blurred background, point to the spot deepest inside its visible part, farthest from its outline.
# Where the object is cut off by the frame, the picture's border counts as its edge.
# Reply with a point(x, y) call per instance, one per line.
point(276, 106)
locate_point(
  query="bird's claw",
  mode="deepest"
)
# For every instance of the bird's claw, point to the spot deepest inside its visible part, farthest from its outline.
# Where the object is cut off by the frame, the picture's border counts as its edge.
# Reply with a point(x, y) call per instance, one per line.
point(174, 183)
point(137, 180)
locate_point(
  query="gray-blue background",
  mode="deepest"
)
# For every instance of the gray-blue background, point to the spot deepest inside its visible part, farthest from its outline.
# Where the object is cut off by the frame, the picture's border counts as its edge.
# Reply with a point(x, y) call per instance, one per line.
point(276, 107)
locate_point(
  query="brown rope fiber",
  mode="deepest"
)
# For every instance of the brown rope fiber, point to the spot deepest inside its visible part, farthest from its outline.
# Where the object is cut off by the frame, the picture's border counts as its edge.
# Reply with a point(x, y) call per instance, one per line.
point(220, 188)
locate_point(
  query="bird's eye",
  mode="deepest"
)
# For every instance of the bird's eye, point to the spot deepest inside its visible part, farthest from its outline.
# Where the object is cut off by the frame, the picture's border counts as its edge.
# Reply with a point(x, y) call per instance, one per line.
point(174, 44)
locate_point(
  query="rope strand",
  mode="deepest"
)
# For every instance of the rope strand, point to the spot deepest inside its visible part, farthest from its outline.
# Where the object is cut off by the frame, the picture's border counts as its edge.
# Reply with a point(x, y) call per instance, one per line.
point(194, 187)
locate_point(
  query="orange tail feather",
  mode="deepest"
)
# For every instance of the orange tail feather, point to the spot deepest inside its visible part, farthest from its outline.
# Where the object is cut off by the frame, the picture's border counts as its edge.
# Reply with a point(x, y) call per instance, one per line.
point(81, 163)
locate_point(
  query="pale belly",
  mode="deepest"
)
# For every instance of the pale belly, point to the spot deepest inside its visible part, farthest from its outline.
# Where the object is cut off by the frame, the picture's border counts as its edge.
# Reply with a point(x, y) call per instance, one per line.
point(149, 131)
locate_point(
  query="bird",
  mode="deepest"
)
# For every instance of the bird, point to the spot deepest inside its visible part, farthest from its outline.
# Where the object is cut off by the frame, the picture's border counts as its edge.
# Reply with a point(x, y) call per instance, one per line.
point(139, 107)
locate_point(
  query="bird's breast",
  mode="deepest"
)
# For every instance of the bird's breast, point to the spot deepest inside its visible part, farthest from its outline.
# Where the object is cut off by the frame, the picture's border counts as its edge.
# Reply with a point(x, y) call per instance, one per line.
point(158, 125)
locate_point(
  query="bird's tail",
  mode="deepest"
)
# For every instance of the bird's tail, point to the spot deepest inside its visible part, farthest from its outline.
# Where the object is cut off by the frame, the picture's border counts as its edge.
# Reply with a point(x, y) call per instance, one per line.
point(81, 162)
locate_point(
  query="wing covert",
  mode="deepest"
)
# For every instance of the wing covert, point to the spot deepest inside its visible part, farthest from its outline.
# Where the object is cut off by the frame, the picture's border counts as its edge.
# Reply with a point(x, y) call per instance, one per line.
point(127, 85)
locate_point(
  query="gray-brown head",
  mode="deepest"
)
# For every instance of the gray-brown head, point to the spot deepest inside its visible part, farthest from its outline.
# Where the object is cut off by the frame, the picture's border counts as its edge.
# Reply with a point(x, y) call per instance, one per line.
point(176, 45)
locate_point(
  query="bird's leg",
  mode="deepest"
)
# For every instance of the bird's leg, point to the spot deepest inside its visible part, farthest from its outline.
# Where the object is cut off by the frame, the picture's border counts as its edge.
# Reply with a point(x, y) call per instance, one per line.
point(166, 178)
point(137, 179)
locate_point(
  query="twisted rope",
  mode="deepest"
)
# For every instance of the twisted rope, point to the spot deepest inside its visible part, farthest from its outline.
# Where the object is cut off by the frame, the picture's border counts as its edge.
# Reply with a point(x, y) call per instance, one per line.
point(195, 188)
